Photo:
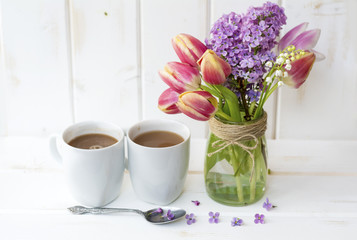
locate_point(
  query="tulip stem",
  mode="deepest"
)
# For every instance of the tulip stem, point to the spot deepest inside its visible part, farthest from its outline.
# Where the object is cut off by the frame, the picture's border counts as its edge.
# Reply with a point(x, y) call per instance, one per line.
point(212, 90)
point(266, 94)
point(232, 101)
point(222, 114)
point(247, 116)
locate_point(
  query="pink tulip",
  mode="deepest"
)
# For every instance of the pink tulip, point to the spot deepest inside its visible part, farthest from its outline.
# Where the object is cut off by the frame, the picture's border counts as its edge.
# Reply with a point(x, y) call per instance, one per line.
point(199, 105)
point(180, 76)
point(291, 35)
point(188, 48)
point(167, 101)
point(302, 39)
point(300, 69)
point(214, 69)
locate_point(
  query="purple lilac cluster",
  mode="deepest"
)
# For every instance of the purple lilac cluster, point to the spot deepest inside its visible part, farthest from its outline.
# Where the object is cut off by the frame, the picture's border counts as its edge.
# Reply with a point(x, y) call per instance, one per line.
point(246, 42)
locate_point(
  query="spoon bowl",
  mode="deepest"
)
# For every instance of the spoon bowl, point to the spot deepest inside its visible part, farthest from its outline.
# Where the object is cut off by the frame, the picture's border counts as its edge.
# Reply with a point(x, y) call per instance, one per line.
point(156, 216)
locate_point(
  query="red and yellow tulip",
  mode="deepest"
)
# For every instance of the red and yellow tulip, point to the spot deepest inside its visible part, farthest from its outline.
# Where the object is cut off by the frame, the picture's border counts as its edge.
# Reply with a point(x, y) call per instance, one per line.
point(180, 77)
point(300, 69)
point(167, 101)
point(188, 48)
point(214, 69)
point(199, 105)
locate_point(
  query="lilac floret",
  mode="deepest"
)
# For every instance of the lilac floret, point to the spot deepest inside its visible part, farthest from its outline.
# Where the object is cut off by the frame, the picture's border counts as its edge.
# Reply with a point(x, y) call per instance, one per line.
point(190, 218)
point(259, 218)
point(267, 205)
point(236, 222)
point(214, 217)
point(246, 41)
point(170, 215)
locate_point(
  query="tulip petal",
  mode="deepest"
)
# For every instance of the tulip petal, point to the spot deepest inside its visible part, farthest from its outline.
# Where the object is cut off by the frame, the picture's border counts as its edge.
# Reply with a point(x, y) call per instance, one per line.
point(167, 101)
point(300, 70)
point(291, 35)
point(319, 56)
point(214, 69)
point(307, 40)
point(180, 76)
point(199, 105)
point(188, 48)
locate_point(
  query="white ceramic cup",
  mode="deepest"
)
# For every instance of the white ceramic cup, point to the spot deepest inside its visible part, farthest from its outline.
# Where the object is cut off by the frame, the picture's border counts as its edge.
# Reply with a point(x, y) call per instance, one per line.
point(158, 174)
point(94, 176)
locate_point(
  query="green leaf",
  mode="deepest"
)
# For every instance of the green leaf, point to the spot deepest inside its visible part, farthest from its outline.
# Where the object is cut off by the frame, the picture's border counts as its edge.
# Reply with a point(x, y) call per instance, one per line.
point(232, 101)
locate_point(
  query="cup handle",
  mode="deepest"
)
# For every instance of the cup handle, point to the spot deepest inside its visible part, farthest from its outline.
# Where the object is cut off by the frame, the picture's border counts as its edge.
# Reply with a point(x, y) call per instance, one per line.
point(54, 149)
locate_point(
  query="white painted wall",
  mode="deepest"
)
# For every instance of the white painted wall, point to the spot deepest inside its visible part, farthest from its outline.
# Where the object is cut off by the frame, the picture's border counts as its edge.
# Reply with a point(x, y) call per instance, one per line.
point(70, 60)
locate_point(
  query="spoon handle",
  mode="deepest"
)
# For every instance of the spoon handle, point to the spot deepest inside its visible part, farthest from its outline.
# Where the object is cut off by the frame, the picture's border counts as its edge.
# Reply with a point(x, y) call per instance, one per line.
point(84, 210)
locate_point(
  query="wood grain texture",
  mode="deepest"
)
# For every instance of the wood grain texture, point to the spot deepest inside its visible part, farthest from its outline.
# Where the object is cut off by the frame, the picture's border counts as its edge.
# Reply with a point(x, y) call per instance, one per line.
point(325, 106)
point(104, 56)
point(302, 203)
point(34, 58)
point(72, 60)
point(161, 20)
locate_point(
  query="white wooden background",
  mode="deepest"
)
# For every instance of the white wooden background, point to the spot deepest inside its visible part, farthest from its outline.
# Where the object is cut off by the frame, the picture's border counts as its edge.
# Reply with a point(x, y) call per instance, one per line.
point(64, 61)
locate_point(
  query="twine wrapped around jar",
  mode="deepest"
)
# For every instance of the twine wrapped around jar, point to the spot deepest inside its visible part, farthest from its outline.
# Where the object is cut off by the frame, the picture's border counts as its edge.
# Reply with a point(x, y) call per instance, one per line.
point(235, 134)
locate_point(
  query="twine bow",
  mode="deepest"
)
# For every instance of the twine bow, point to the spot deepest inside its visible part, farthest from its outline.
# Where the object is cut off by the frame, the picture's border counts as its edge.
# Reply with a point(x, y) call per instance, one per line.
point(234, 135)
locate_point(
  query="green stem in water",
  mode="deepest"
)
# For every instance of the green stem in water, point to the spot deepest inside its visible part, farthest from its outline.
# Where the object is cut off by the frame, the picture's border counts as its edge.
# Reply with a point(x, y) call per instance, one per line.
point(238, 179)
point(253, 185)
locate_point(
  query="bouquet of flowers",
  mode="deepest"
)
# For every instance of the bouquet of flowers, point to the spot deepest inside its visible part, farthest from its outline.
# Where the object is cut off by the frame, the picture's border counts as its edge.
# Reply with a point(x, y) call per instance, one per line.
point(231, 76)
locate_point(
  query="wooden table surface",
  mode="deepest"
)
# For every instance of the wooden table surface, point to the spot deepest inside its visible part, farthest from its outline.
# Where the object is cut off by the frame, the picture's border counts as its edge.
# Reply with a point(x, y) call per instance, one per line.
point(312, 183)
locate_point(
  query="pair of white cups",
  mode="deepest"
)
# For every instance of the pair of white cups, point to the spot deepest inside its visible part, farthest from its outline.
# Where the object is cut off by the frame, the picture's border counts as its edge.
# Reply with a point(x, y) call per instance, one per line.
point(95, 176)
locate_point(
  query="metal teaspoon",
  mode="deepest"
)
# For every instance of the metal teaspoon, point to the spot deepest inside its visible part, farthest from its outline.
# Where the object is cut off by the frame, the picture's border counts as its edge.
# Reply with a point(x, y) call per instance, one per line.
point(155, 216)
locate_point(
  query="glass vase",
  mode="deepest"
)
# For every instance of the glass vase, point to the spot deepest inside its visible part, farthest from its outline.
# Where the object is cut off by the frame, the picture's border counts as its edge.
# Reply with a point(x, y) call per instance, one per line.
point(235, 171)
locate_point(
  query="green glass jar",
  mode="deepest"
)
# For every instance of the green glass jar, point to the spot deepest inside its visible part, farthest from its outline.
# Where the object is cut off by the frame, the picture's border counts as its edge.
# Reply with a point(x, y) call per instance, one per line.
point(235, 170)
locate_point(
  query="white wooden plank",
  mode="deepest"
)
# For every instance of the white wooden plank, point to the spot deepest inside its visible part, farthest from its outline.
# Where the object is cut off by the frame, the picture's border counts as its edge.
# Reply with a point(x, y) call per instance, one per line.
point(104, 49)
point(313, 157)
point(219, 8)
point(325, 106)
point(58, 226)
point(160, 21)
point(302, 203)
point(3, 127)
point(311, 192)
point(285, 157)
point(298, 196)
point(36, 75)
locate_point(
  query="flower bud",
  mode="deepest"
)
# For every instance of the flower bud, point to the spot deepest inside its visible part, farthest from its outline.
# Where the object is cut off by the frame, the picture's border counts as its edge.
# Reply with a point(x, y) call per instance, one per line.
point(199, 105)
point(167, 101)
point(214, 69)
point(188, 48)
point(300, 69)
point(180, 76)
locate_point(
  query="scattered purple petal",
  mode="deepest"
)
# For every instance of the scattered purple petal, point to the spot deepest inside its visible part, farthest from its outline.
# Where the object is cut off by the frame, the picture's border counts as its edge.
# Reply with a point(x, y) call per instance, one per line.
point(170, 215)
point(236, 222)
point(159, 210)
point(214, 217)
point(197, 203)
point(191, 218)
point(259, 218)
point(267, 205)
